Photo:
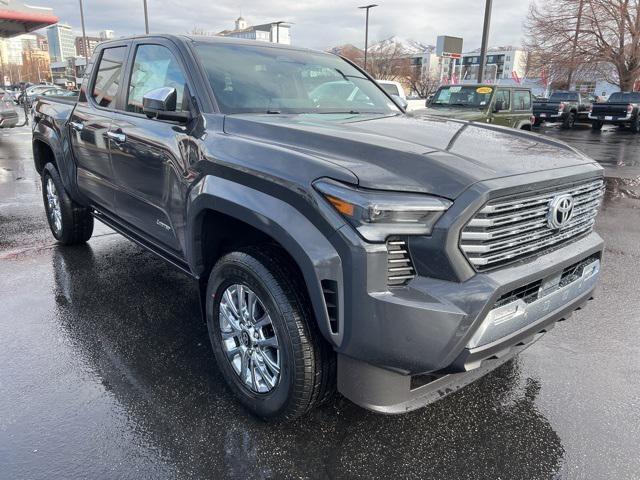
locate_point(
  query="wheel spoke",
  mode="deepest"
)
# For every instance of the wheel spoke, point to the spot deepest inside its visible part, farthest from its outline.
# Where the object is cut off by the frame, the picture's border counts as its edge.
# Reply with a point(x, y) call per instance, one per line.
point(252, 370)
point(244, 365)
point(232, 334)
point(262, 321)
point(252, 301)
point(268, 342)
point(269, 378)
point(233, 352)
point(230, 303)
point(271, 365)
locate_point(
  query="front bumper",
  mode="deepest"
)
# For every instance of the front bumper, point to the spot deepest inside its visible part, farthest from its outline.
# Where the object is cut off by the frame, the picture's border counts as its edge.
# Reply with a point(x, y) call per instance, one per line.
point(432, 337)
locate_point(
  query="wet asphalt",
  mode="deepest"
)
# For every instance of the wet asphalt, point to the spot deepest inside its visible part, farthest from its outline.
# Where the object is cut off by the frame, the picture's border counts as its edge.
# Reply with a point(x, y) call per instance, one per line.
point(106, 369)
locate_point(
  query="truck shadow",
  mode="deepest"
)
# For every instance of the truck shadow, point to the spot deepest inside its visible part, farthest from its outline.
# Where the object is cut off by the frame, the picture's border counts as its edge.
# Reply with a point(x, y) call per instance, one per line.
point(136, 323)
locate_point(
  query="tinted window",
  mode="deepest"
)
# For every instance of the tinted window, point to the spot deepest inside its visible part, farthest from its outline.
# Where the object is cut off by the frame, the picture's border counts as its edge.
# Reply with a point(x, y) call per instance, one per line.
point(105, 87)
point(505, 97)
point(521, 100)
point(256, 79)
point(390, 89)
point(154, 67)
point(564, 96)
point(625, 97)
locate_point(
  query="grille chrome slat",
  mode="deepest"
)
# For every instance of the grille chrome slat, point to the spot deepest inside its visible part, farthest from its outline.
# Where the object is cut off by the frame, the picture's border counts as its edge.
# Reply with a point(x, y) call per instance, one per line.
point(540, 225)
point(504, 231)
point(517, 204)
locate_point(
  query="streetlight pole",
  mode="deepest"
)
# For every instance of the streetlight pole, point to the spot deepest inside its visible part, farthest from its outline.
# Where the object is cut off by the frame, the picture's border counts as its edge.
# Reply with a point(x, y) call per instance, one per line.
point(366, 31)
point(485, 39)
point(146, 17)
point(84, 35)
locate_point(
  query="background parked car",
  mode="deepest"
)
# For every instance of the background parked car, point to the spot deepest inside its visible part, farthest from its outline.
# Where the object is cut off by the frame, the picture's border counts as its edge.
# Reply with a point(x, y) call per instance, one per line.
point(563, 107)
point(622, 109)
point(8, 113)
point(499, 105)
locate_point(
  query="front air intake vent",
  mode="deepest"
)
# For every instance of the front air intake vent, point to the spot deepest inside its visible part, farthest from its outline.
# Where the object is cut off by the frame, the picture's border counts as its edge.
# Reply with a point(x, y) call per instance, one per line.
point(400, 268)
point(330, 292)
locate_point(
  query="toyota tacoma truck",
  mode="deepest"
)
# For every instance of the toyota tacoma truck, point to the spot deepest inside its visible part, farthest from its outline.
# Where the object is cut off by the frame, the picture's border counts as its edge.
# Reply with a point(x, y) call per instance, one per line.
point(337, 242)
point(562, 107)
point(622, 109)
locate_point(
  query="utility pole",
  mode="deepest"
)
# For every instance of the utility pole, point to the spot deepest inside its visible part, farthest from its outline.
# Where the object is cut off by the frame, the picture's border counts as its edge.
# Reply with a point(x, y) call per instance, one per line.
point(146, 17)
point(84, 36)
point(572, 66)
point(485, 39)
point(366, 31)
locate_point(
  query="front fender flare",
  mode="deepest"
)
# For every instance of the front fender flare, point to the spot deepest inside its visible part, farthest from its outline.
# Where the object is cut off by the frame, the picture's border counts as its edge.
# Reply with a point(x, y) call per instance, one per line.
point(315, 256)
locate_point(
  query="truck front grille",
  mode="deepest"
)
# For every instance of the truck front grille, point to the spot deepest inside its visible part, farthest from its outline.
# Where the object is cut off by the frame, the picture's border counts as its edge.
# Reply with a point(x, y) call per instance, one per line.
point(510, 229)
point(400, 269)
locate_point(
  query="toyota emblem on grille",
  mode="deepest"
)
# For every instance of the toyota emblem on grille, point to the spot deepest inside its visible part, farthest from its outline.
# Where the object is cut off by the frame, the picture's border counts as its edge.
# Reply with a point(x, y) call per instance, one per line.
point(560, 211)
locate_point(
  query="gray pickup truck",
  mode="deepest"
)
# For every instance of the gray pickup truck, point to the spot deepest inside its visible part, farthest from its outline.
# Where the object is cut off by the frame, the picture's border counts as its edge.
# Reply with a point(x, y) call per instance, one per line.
point(337, 242)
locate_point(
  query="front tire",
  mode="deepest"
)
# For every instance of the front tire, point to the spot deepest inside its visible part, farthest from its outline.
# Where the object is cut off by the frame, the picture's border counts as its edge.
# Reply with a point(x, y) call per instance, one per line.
point(263, 335)
point(635, 124)
point(69, 222)
point(597, 125)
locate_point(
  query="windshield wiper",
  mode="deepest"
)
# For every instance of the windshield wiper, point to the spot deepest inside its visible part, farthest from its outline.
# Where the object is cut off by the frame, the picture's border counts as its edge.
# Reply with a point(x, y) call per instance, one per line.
point(273, 112)
point(350, 112)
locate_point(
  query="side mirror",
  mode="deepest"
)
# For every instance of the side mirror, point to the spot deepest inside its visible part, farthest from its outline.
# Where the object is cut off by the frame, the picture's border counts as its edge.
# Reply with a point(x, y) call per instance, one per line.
point(498, 106)
point(161, 104)
point(401, 102)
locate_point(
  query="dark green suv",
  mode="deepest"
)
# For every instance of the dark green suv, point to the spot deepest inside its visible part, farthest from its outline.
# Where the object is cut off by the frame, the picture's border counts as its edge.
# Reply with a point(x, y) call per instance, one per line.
point(496, 104)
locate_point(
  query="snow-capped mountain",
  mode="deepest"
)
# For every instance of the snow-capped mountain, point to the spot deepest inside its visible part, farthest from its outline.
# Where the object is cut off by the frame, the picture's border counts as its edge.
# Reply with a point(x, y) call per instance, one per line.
point(405, 45)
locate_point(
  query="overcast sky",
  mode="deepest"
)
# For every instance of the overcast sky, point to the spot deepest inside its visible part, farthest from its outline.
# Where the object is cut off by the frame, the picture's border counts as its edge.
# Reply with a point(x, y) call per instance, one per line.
point(317, 24)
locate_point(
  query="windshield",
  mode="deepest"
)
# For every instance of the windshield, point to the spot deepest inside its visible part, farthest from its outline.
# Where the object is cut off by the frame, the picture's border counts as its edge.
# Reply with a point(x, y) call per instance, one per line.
point(564, 96)
point(256, 79)
point(625, 97)
point(461, 96)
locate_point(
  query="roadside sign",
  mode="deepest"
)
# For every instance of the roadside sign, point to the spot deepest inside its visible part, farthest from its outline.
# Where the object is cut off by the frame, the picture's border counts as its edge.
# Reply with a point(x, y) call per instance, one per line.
point(449, 46)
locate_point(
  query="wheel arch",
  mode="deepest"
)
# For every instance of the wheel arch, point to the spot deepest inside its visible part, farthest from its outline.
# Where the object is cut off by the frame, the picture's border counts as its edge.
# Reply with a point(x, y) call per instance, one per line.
point(223, 209)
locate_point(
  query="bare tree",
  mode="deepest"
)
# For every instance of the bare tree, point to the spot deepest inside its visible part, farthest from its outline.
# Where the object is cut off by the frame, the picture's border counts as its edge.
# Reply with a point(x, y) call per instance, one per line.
point(390, 63)
point(422, 83)
point(582, 36)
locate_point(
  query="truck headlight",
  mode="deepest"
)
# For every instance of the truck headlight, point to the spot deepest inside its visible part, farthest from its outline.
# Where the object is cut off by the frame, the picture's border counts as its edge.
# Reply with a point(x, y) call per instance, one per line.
point(378, 214)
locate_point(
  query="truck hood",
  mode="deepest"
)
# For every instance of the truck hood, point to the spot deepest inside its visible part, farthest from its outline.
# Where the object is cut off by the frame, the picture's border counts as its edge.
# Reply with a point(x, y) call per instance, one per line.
point(419, 154)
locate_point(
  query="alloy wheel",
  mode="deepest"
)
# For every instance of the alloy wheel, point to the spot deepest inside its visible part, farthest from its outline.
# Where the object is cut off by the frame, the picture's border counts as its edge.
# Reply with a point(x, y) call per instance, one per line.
point(53, 202)
point(249, 341)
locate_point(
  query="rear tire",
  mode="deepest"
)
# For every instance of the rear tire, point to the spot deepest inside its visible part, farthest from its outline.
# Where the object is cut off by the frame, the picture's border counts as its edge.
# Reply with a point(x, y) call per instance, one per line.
point(69, 222)
point(306, 363)
point(569, 121)
point(597, 125)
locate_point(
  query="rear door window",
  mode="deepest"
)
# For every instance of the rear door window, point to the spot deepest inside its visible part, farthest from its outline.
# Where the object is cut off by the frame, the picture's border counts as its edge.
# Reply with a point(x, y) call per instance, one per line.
point(521, 100)
point(105, 86)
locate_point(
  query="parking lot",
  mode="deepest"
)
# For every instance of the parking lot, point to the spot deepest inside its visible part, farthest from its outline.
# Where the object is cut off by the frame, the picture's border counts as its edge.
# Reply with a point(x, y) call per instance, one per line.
point(107, 372)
